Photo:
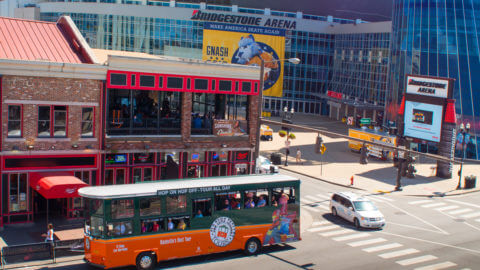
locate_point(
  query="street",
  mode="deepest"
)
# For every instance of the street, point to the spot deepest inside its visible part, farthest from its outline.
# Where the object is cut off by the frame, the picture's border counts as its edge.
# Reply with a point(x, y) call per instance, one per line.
point(421, 233)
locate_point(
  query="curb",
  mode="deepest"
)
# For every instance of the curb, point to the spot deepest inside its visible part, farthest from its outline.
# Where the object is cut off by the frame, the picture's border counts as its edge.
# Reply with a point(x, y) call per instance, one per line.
point(357, 188)
point(323, 180)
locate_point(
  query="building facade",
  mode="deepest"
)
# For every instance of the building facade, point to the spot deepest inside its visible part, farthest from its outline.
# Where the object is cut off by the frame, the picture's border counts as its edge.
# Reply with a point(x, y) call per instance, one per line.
point(440, 39)
point(80, 117)
point(170, 28)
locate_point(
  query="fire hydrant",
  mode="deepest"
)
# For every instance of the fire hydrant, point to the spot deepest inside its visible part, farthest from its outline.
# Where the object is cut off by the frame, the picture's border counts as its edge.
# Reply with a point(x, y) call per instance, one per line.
point(351, 180)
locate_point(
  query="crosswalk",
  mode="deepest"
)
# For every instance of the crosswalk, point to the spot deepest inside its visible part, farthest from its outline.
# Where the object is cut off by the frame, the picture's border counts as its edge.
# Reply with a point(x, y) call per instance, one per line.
point(366, 241)
point(319, 203)
point(451, 208)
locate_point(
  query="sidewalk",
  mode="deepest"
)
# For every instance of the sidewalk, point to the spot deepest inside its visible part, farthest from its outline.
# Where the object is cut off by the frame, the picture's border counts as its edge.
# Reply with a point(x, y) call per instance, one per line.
point(339, 164)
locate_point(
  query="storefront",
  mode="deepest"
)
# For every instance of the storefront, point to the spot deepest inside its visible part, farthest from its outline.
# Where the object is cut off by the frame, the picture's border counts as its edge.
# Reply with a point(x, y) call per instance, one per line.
point(36, 187)
point(241, 162)
point(218, 163)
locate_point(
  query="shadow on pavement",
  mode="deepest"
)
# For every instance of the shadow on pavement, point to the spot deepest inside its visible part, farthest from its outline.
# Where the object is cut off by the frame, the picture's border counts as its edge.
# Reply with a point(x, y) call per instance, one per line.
point(389, 177)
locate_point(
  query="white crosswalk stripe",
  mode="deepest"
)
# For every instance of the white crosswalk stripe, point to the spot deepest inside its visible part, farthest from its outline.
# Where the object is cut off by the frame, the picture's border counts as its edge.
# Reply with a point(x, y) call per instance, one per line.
point(381, 197)
point(305, 201)
point(399, 253)
point(450, 207)
point(437, 266)
point(318, 223)
point(382, 247)
point(367, 242)
point(324, 228)
point(430, 205)
point(325, 197)
point(420, 202)
point(351, 237)
point(333, 233)
point(471, 215)
point(416, 260)
point(309, 208)
point(477, 220)
point(461, 211)
point(315, 199)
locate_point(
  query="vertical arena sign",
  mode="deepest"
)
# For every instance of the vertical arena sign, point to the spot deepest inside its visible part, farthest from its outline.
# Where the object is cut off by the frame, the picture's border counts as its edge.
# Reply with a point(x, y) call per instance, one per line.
point(247, 45)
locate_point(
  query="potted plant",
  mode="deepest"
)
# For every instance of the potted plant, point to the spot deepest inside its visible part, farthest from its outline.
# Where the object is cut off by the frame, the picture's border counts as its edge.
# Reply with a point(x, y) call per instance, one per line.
point(291, 136)
point(282, 133)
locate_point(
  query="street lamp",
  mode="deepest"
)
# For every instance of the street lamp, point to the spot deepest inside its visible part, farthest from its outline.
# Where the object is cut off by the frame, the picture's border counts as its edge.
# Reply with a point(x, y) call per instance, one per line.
point(463, 131)
point(294, 61)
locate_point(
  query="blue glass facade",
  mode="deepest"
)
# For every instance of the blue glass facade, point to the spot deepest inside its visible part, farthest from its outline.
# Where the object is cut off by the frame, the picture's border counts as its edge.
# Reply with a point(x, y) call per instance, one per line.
point(439, 38)
point(360, 66)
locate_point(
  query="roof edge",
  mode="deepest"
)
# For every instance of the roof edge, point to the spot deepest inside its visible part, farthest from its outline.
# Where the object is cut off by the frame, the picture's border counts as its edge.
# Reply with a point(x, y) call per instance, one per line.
point(79, 42)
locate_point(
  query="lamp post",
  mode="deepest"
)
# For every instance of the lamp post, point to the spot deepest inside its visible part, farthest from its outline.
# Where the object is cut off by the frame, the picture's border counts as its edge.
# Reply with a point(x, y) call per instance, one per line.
point(463, 131)
point(287, 118)
point(294, 61)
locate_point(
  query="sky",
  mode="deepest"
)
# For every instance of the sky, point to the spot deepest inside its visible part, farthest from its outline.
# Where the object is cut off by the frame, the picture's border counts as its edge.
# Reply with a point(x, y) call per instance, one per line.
point(367, 10)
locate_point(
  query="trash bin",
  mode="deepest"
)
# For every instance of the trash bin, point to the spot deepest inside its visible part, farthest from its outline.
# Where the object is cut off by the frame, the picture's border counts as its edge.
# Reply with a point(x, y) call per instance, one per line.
point(470, 181)
point(276, 158)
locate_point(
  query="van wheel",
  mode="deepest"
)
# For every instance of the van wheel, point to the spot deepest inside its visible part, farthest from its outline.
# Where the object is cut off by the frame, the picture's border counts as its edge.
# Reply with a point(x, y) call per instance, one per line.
point(334, 211)
point(252, 247)
point(356, 223)
point(146, 261)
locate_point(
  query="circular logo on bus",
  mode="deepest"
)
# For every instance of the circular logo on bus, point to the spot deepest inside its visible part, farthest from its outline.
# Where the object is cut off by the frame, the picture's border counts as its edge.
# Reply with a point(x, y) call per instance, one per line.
point(222, 231)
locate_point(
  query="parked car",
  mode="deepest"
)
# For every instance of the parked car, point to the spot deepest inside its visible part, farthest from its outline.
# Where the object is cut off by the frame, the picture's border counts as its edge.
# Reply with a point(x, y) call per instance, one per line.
point(266, 166)
point(357, 209)
point(266, 133)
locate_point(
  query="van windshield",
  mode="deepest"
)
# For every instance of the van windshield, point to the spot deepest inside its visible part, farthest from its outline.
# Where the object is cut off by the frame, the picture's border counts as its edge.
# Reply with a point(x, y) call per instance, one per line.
point(364, 206)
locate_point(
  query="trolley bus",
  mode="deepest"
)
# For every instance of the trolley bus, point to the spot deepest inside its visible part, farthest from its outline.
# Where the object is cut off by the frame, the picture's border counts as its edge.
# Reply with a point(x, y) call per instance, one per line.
point(142, 224)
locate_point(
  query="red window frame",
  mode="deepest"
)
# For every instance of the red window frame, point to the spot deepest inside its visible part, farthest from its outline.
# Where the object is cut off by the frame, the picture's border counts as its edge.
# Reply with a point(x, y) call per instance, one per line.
point(52, 121)
point(21, 120)
point(114, 170)
point(93, 122)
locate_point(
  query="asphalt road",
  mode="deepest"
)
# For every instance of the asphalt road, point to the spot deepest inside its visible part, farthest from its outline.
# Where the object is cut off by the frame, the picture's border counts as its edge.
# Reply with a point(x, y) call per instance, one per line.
point(433, 233)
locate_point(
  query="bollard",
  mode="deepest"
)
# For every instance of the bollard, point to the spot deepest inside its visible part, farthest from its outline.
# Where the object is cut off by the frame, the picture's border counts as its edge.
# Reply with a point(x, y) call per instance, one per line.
point(351, 181)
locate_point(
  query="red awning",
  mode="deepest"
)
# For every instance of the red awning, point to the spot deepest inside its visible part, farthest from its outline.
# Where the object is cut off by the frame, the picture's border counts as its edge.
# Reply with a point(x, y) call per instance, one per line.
point(53, 185)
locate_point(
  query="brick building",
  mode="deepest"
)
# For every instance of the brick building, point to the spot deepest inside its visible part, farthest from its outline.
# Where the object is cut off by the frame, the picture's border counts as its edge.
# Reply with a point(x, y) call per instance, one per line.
point(73, 116)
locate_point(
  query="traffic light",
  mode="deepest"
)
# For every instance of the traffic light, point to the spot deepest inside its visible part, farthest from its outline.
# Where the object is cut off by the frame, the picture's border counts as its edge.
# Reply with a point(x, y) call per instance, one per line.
point(318, 145)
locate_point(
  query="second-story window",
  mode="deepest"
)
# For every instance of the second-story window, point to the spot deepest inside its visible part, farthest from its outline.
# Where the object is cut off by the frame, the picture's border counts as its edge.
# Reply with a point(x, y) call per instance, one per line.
point(52, 121)
point(87, 122)
point(14, 121)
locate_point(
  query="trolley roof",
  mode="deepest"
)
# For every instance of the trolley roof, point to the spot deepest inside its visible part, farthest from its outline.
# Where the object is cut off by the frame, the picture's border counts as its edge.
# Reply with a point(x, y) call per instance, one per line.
point(151, 188)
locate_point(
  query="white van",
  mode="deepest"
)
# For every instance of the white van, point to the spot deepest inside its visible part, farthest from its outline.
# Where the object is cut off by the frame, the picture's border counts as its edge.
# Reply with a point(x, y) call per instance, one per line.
point(357, 209)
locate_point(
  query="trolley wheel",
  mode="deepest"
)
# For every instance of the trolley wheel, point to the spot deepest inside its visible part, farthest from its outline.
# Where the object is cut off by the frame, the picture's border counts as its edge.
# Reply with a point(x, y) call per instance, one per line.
point(252, 247)
point(146, 261)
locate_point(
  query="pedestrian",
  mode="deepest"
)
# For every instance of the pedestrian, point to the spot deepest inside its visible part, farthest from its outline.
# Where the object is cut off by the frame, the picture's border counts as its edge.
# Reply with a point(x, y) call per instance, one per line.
point(49, 235)
point(49, 238)
point(299, 157)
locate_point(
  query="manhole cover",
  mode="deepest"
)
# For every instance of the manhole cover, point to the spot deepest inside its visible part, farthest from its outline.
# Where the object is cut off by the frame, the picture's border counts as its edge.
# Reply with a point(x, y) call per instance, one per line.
point(459, 219)
point(400, 213)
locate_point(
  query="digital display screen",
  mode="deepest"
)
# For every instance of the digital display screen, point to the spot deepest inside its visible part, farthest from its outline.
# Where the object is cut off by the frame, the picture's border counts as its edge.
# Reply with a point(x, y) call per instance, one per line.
point(423, 121)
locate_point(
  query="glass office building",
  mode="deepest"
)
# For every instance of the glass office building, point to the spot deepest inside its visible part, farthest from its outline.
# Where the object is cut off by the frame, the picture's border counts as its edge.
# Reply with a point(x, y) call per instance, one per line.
point(441, 39)
point(360, 66)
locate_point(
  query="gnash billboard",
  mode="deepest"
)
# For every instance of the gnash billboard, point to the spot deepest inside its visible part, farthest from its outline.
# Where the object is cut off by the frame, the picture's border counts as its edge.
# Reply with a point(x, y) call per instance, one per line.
point(247, 45)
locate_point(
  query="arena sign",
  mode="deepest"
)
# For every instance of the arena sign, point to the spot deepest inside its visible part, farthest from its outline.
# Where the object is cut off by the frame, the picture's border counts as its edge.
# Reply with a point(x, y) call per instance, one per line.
point(243, 20)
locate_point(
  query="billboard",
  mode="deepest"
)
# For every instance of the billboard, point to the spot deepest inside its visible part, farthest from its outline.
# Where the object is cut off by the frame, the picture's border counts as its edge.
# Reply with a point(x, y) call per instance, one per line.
point(247, 45)
point(423, 121)
point(428, 86)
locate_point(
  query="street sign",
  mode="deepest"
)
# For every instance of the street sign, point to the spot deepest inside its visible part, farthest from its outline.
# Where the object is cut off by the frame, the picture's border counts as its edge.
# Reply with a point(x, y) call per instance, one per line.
point(323, 148)
point(350, 120)
point(365, 121)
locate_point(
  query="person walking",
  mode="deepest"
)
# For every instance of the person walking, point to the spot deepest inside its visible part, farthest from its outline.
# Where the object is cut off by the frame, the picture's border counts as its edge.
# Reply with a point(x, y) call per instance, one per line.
point(49, 238)
point(298, 157)
point(49, 235)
